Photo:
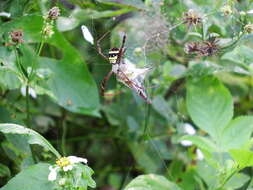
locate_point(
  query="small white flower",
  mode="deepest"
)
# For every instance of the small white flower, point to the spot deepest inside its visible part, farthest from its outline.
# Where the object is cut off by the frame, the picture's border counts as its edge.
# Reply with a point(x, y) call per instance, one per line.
point(200, 155)
point(62, 181)
point(186, 143)
point(242, 13)
point(31, 91)
point(250, 11)
point(75, 159)
point(53, 173)
point(67, 168)
point(5, 14)
point(189, 129)
point(86, 34)
point(66, 164)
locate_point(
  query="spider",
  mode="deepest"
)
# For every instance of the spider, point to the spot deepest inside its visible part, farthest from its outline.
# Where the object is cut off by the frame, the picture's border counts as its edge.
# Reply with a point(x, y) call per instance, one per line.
point(126, 73)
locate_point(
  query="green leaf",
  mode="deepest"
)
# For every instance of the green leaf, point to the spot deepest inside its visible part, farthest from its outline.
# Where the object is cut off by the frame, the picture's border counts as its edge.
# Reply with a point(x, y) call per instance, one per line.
point(83, 177)
point(237, 181)
point(209, 104)
point(71, 83)
point(201, 142)
point(32, 178)
point(151, 182)
point(243, 157)
point(237, 133)
point(162, 107)
point(241, 54)
point(4, 171)
point(32, 136)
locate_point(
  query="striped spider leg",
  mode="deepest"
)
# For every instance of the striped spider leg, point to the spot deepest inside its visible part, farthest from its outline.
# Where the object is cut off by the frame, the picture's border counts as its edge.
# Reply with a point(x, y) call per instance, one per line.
point(120, 69)
point(115, 55)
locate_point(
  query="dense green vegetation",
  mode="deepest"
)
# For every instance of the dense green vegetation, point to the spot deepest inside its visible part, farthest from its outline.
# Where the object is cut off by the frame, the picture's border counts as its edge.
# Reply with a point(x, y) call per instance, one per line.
point(192, 131)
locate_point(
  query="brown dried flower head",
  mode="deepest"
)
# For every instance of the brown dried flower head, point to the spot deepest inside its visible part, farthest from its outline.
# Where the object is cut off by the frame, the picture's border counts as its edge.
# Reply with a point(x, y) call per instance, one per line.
point(17, 36)
point(210, 47)
point(53, 13)
point(248, 28)
point(191, 18)
point(191, 47)
point(205, 48)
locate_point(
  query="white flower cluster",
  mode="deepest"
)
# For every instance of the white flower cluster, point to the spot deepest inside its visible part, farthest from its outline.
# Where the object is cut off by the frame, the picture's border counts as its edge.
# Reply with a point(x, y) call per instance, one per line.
point(188, 129)
point(64, 164)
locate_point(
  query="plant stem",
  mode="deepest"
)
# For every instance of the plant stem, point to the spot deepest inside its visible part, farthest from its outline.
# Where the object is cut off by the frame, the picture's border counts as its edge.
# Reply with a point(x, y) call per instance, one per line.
point(64, 133)
point(146, 120)
point(38, 53)
point(27, 106)
point(227, 179)
point(18, 62)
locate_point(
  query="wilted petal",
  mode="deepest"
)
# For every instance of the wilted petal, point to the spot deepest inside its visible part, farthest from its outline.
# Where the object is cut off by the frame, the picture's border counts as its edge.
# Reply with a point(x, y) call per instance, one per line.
point(200, 155)
point(52, 174)
point(186, 143)
point(5, 14)
point(31, 91)
point(67, 168)
point(189, 129)
point(75, 159)
point(250, 11)
point(87, 35)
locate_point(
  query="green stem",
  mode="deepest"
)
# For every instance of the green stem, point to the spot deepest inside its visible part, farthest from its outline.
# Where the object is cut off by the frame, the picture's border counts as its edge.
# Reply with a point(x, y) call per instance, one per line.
point(38, 53)
point(146, 120)
point(18, 62)
point(27, 106)
point(64, 133)
point(227, 179)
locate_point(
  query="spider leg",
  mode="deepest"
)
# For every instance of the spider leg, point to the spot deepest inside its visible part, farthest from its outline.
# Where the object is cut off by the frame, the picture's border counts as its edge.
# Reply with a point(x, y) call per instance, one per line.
point(121, 50)
point(139, 89)
point(104, 83)
point(99, 47)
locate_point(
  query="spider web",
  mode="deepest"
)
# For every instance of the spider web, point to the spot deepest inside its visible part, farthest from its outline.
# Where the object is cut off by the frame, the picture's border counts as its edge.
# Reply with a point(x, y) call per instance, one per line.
point(147, 34)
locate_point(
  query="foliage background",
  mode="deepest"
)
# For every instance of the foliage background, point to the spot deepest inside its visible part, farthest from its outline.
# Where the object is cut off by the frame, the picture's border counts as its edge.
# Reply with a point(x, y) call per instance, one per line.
point(121, 135)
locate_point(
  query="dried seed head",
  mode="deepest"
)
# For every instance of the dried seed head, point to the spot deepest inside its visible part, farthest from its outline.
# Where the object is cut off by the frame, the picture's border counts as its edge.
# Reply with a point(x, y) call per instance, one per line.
point(17, 36)
point(191, 18)
point(191, 47)
point(206, 48)
point(209, 47)
point(248, 28)
point(53, 13)
point(226, 10)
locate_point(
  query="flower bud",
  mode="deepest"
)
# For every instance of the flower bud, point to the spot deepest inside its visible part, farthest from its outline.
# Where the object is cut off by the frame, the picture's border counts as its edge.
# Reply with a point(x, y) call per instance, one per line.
point(226, 10)
point(248, 28)
point(48, 30)
point(53, 13)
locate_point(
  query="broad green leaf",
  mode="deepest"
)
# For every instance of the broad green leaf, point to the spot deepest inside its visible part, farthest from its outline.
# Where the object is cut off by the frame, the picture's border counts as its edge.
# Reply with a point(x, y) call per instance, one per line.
point(162, 107)
point(201, 142)
point(83, 177)
point(237, 181)
point(32, 178)
point(241, 54)
point(209, 104)
point(145, 154)
point(4, 171)
point(237, 133)
point(9, 78)
point(20, 143)
point(32, 136)
point(151, 182)
point(243, 157)
point(71, 84)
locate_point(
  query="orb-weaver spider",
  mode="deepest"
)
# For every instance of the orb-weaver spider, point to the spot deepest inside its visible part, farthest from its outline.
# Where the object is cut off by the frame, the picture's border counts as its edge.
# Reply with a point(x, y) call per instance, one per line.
point(126, 73)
